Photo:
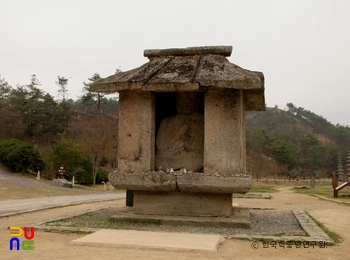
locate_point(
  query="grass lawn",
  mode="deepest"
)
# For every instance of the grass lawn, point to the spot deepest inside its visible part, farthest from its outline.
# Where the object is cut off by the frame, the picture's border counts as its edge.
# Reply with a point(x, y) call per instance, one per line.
point(325, 190)
point(9, 192)
point(320, 189)
point(258, 187)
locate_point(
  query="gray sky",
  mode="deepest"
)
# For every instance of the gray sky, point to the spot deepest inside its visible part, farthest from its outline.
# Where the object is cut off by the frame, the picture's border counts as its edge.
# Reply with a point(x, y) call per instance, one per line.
point(301, 46)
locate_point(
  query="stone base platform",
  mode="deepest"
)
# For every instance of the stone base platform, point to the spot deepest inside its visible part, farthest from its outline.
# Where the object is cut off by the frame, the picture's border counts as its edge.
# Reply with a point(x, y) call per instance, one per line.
point(182, 203)
point(239, 218)
point(178, 181)
point(147, 239)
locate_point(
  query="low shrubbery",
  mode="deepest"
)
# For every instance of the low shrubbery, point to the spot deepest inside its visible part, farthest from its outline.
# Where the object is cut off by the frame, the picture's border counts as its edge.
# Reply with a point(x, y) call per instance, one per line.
point(67, 152)
point(19, 156)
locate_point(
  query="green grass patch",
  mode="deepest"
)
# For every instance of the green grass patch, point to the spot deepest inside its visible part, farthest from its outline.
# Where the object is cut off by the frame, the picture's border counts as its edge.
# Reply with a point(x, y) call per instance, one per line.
point(10, 191)
point(262, 188)
point(324, 190)
point(136, 222)
point(76, 232)
point(293, 234)
point(334, 236)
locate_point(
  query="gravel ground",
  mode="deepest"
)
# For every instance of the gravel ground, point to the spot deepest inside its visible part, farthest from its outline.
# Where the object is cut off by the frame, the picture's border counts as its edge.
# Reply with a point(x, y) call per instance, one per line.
point(264, 222)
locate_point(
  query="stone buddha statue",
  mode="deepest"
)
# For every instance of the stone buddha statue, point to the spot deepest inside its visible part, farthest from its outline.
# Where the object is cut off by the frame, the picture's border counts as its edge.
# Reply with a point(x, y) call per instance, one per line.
point(180, 138)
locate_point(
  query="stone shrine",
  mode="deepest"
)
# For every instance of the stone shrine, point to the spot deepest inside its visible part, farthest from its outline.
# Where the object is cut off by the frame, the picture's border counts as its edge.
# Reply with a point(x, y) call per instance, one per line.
point(181, 130)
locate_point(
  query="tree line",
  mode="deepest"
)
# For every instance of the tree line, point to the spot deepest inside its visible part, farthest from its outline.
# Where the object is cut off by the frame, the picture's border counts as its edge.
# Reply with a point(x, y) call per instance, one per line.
point(297, 141)
point(79, 133)
point(290, 142)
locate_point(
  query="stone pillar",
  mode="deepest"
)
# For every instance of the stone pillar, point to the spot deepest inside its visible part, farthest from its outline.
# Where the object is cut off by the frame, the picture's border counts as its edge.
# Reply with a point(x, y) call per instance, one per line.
point(340, 170)
point(312, 182)
point(224, 136)
point(347, 175)
point(136, 123)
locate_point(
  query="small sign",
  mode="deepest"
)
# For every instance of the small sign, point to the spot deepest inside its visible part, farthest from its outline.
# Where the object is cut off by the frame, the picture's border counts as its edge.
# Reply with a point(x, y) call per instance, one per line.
point(61, 171)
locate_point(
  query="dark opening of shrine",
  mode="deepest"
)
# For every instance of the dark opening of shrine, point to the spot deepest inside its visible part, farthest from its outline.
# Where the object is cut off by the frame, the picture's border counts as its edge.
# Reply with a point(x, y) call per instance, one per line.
point(179, 130)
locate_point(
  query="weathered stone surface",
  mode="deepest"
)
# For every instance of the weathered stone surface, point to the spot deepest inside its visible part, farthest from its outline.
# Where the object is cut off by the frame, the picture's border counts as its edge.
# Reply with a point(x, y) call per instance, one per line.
point(212, 184)
point(312, 183)
point(145, 181)
point(219, 50)
point(224, 131)
point(189, 69)
point(217, 71)
point(180, 138)
point(132, 79)
point(189, 160)
point(182, 203)
point(254, 100)
point(136, 146)
point(62, 183)
point(176, 75)
point(266, 196)
point(185, 183)
point(240, 212)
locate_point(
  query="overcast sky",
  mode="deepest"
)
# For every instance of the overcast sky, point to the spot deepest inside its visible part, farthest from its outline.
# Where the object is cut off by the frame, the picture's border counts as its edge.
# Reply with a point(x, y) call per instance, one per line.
point(302, 47)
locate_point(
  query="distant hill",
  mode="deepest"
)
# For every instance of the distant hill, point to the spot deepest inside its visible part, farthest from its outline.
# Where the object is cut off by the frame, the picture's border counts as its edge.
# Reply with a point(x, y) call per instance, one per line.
point(294, 142)
point(291, 142)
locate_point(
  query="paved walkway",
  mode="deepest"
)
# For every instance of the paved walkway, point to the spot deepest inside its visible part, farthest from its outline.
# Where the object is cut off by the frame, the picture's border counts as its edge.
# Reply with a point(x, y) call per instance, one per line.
point(14, 207)
point(148, 239)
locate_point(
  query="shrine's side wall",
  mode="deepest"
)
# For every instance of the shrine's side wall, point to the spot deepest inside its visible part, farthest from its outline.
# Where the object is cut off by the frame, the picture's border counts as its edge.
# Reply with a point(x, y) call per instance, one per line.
point(136, 125)
point(225, 137)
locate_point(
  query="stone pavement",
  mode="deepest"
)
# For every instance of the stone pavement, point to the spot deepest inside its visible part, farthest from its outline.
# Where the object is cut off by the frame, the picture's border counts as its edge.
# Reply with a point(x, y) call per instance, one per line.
point(13, 207)
point(156, 240)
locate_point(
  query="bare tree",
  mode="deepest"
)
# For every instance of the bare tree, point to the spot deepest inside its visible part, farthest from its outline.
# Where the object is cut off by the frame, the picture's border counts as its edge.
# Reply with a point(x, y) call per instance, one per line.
point(99, 143)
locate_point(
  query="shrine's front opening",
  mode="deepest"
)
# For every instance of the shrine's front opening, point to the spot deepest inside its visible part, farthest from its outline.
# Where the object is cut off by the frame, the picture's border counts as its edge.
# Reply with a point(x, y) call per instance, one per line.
point(179, 130)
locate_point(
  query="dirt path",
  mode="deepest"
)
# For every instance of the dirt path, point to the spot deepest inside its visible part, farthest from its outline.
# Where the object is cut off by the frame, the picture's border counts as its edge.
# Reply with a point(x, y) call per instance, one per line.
point(12, 207)
point(56, 246)
point(25, 186)
point(334, 216)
